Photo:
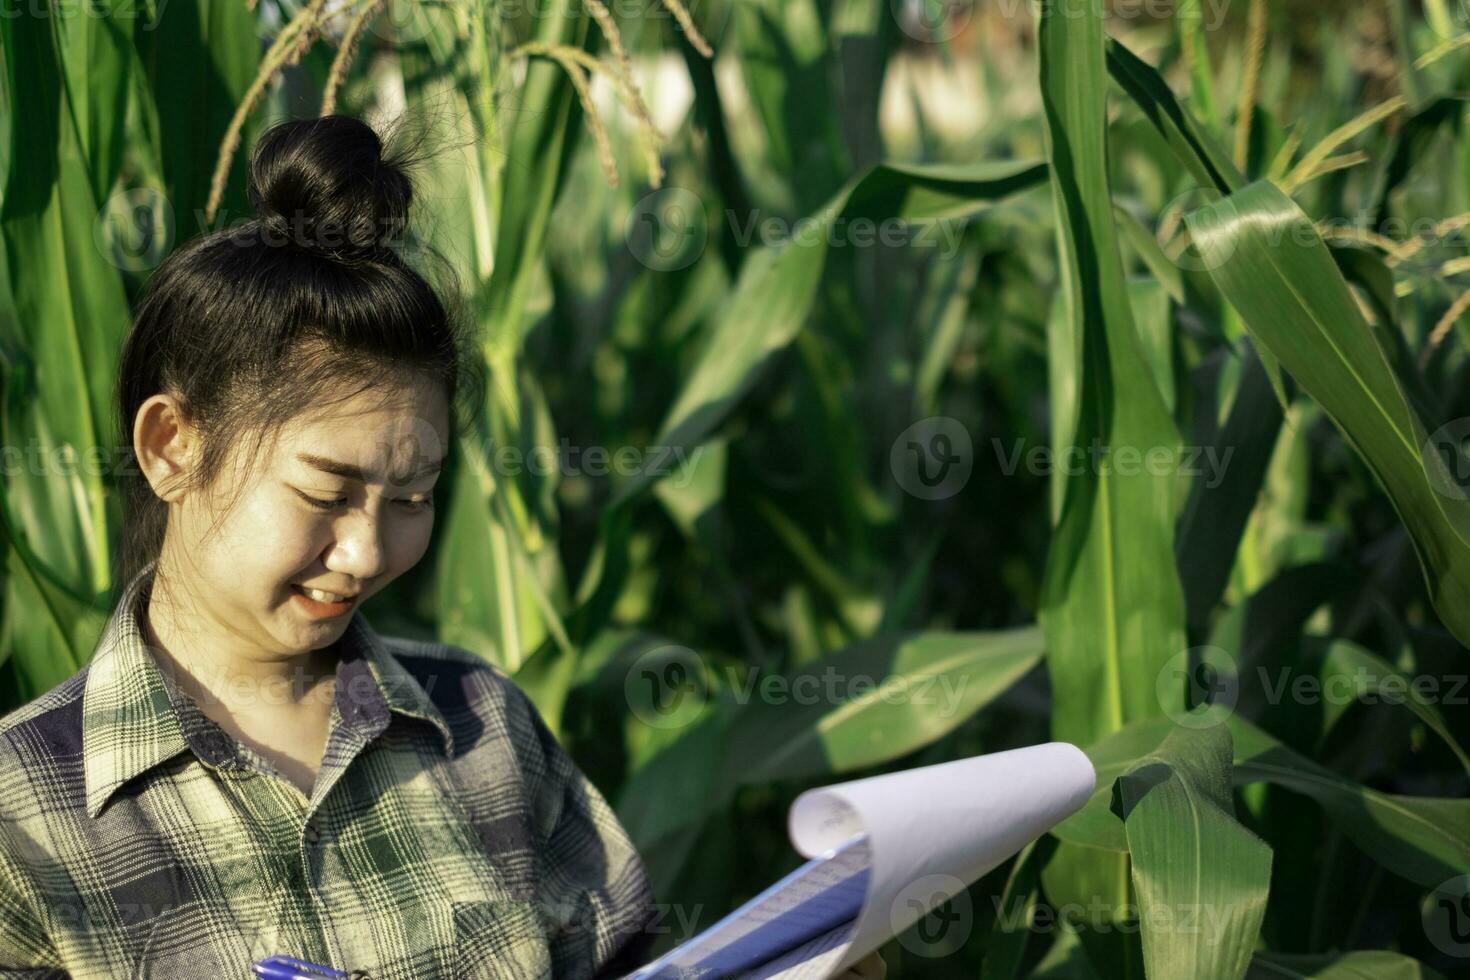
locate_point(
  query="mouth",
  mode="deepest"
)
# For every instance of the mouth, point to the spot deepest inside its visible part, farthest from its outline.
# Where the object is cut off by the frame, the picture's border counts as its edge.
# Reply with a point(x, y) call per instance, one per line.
point(322, 608)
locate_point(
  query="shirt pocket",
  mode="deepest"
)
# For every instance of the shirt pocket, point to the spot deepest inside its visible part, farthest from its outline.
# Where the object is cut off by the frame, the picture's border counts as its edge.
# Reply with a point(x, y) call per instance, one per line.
point(504, 938)
point(198, 939)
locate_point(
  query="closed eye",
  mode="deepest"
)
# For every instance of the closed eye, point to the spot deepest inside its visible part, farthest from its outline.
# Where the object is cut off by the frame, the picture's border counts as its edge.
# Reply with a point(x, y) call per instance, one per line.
point(321, 504)
point(419, 504)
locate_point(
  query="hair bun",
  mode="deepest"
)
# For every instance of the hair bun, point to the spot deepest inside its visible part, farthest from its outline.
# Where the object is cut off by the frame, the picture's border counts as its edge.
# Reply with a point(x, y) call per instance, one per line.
point(324, 186)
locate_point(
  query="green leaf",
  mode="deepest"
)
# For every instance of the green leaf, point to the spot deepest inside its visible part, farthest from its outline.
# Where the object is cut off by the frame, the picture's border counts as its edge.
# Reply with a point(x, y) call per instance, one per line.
point(1413, 142)
point(1112, 605)
point(1196, 149)
point(196, 98)
point(1147, 247)
point(1218, 511)
point(64, 331)
point(861, 706)
point(777, 287)
point(1015, 909)
point(1269, 261)
point(872, 702)
point(95, 61)
point(1373, 964)
point(1348, 667)
point(1423, 839)
point(1201, 877)
point(1066, 960)
point(664, 804)
point(788, 75)
point(1153, 311)
point(769, 305)
point(500, 583)
point(1111, 602)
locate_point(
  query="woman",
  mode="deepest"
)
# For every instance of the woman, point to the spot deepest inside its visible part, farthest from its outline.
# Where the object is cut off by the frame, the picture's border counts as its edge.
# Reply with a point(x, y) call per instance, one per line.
point(246, 767)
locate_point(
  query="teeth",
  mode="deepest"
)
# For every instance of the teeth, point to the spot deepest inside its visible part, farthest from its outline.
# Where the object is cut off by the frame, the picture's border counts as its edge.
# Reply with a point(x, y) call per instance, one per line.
point(321, 596)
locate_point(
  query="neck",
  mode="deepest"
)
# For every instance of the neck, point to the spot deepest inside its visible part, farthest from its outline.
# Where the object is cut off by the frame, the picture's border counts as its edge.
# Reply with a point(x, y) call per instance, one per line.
point(213, 662)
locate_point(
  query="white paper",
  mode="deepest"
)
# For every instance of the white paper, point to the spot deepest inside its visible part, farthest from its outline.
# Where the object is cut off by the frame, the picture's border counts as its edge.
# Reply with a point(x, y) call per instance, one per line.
point(948, 824)
point(820, 898)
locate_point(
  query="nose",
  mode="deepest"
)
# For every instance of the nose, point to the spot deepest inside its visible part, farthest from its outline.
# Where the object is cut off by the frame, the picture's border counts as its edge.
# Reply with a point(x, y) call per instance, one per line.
point(357, 552)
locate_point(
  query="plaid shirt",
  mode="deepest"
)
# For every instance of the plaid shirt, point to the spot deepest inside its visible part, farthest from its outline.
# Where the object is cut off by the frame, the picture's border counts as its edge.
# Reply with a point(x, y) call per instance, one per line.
point(448, 833)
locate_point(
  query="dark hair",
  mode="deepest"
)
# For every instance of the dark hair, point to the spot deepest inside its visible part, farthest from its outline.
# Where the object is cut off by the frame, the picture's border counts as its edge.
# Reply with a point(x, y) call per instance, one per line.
point(310, 302)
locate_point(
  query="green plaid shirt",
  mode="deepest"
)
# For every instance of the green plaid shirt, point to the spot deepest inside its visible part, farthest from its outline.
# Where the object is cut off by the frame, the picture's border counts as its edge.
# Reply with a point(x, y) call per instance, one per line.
point(448, 833)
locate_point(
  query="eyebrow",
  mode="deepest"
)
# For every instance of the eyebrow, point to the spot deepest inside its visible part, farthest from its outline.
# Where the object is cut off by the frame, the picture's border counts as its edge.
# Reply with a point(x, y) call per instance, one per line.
point(351, 472)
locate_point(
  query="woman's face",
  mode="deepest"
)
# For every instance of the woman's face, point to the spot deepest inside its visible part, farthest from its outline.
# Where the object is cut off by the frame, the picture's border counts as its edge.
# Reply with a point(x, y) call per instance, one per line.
point(343, 504)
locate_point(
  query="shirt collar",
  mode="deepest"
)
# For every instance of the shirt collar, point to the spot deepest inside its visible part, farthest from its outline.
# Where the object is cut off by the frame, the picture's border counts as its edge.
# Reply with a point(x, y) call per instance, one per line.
point(132, 711)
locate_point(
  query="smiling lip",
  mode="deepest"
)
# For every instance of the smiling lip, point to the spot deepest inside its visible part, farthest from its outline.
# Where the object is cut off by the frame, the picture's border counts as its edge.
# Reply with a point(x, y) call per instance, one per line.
point(323, 610)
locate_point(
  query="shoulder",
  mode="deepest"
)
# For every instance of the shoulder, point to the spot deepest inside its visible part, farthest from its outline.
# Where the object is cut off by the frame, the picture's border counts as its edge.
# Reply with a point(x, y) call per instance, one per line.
point(460, 681)
point(495, 722)
point(52, 720)
point(468, 675)
point(40, 741)
point(403, 646)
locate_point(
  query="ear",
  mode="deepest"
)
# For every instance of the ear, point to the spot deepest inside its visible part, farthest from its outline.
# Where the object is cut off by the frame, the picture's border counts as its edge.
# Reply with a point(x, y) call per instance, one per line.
point(166, 444)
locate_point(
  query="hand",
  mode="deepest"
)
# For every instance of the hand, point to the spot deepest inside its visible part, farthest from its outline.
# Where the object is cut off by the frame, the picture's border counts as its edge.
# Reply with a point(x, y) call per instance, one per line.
point(871, 968)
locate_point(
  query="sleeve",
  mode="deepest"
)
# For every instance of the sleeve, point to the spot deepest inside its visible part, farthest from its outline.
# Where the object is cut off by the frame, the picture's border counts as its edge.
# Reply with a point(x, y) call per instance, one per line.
point(593, 887)
point(26, 950)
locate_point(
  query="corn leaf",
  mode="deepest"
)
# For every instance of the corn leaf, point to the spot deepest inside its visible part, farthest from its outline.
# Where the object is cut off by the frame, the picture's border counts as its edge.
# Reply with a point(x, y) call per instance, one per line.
point(861, 706)
point(1268, 259)
point(69, 316)
point(768, 307)
point(875, 701)
point(1111, 602)
point(1112, 606)
point(1348, 667)
point(777, 287)
point(1372, 964)
point(1423, 839)
point(1201, 877)
point(195, 98)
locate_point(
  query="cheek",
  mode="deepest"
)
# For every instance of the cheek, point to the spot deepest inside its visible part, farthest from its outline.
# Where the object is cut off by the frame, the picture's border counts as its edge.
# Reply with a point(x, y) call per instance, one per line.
point(254, 547)
point(407, 541)
point(282, 537)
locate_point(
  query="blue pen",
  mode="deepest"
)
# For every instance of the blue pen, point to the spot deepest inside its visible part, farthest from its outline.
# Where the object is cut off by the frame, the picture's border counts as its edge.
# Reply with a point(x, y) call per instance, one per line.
point(268, 972)
point(282, 967)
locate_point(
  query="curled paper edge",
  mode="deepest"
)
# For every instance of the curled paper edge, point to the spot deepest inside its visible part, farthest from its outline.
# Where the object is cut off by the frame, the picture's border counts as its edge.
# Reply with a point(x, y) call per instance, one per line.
point(945, 825)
